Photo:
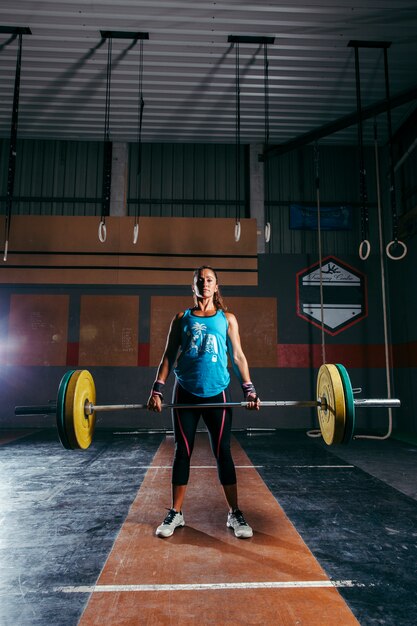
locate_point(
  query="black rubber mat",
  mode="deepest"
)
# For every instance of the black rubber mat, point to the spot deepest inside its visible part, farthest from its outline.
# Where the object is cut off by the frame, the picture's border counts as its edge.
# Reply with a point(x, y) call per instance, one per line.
point(61, 511)
point(359, 528)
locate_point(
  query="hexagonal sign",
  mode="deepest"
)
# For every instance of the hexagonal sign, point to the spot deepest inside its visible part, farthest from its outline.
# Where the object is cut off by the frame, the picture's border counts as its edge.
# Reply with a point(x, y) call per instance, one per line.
point(344, 295)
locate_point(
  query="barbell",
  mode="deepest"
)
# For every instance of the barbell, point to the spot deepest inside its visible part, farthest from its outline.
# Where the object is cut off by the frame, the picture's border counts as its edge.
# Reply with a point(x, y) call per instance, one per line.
point(76, 407)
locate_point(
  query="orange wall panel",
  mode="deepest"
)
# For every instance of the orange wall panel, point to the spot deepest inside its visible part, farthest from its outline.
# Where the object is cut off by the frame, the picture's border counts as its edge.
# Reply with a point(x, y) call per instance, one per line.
point(109, 330)
point(257, 318)
point(66, 250)
point(38, 329)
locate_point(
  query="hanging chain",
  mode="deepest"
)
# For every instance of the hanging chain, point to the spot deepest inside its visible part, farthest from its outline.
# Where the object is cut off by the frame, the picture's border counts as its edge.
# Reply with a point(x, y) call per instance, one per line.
point(391, 157)
point(266, 93)
point(12, 150)
point(362, 171)
point(108, 91)
point(107, 150)
point(237, 64)
point(317, 179)
point(141, 106)
point(266, 136)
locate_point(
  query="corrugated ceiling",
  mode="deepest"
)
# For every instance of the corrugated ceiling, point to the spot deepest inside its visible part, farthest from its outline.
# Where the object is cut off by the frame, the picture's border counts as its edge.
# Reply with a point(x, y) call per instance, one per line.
point(189, 67)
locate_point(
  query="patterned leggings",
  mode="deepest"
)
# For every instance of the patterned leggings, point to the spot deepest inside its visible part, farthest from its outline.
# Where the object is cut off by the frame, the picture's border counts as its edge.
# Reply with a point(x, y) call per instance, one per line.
point(218, 422)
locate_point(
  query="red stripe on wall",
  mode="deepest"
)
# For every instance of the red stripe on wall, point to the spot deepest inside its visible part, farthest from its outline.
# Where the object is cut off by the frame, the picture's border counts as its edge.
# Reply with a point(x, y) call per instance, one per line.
point(359, 355)
point(308, 356)
point(73, 349)
point(405, 354)
point(143, 354)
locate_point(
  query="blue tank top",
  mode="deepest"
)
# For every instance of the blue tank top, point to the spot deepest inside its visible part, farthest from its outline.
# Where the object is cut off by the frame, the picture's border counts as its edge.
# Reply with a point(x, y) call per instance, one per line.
point(202, 364)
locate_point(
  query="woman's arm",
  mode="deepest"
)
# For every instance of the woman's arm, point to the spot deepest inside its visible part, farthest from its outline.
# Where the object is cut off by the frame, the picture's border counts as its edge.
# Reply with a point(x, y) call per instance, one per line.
point(239, 361)
point(167, 362)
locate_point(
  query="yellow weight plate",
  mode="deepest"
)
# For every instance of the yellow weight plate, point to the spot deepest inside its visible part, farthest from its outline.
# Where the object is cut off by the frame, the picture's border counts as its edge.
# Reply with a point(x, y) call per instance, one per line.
point(79, 426)
point(332, 418)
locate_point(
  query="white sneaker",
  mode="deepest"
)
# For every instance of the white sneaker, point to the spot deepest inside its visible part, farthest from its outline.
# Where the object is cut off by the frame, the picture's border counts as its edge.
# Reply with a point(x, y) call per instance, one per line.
point(236, 521)
point(170, 523)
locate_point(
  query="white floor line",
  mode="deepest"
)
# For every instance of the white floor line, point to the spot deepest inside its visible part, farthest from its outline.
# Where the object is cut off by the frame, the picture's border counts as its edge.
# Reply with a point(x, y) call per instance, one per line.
point(194, 466)
point(294, 584)
point(320, 466)
point(250, 466)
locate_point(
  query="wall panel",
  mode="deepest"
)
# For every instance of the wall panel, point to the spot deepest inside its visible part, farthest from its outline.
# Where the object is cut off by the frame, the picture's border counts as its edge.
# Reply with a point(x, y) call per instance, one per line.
point(186, 180)
point(291, 179)
point(66, 250)
point(109, 330)
point(199, 180)
point(37, 330)
point(54, 177)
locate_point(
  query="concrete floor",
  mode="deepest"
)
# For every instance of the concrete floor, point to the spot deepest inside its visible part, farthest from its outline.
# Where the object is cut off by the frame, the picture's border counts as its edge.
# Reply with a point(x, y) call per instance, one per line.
point(392, 461)
point(61, 512)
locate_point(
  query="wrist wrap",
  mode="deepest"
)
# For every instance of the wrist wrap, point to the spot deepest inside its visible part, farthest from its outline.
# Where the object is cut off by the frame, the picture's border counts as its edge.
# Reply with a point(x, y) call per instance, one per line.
point(157, 389)
point(249, 390)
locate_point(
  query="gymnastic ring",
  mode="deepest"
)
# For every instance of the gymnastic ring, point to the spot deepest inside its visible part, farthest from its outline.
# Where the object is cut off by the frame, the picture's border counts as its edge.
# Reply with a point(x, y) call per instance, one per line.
point(237, 231)
point(267, 232)
point(135, 233)
point(364, 244)
point(400, 243)
point(6, 248)
point(102, 232)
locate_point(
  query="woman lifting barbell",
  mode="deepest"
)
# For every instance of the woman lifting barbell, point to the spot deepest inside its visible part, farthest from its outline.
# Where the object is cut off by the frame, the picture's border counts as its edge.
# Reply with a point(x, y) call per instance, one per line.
point(201, 337)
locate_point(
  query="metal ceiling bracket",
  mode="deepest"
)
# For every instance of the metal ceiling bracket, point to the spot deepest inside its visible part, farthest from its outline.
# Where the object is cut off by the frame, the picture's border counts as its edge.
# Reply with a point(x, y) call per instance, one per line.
point(15, 30)
point(250, 39)
point(359, 43)
point(120, 34)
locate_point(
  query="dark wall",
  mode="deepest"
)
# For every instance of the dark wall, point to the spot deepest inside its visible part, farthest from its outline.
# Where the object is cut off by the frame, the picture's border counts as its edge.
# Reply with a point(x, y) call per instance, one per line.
point(360, 347)
point(402, 283)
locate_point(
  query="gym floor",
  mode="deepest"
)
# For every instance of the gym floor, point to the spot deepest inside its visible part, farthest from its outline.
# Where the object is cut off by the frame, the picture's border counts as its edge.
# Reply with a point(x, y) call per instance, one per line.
point(334, 533)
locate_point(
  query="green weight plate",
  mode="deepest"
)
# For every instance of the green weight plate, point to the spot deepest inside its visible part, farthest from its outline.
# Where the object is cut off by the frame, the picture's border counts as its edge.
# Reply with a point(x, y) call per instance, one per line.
point(60, 410)
point(350, 404)
point(68, 410)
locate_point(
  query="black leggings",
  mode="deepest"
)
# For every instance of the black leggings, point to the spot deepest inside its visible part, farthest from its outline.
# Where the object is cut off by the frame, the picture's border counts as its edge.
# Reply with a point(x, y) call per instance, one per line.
point(219, 424)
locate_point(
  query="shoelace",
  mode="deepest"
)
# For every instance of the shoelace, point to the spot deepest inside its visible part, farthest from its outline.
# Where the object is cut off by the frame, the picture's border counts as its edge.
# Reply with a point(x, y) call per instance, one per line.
point(239, 517)
point(170, 516)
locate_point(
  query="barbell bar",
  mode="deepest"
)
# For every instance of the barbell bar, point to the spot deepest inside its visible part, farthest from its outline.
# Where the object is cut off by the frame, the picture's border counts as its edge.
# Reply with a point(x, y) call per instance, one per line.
point(76, 407)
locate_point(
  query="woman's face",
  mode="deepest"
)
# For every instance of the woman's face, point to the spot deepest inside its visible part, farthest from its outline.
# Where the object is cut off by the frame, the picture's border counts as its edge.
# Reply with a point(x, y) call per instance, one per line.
point(205, 284)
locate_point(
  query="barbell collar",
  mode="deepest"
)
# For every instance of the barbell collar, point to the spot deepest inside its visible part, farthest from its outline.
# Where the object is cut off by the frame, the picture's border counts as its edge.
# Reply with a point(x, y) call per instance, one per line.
point(376, 403)
point(47, 409)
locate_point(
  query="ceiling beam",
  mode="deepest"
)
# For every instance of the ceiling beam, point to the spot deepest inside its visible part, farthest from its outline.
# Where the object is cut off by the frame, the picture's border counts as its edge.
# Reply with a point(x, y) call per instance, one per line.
point(344, 122)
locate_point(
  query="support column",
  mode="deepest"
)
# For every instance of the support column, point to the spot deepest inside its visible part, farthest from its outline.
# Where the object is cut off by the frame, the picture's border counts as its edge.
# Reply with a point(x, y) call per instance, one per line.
point(119, 174)
point(257, 192)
